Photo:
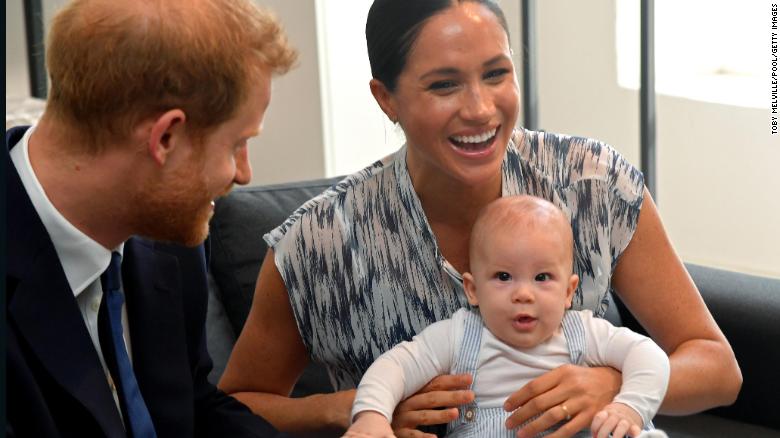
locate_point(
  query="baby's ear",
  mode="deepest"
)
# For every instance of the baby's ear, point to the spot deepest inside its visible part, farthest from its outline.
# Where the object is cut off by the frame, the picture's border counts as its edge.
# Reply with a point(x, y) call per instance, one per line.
point(470, 288)
point(574, 280)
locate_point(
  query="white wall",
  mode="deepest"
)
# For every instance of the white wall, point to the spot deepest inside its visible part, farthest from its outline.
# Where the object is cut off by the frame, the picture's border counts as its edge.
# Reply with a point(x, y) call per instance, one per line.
point(357, 132)
point(17, 83)
point(717, 182)
point(291, 146)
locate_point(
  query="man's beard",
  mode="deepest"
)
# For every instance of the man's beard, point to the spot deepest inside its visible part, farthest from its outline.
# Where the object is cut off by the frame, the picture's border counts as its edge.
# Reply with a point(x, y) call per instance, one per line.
point(176, 211)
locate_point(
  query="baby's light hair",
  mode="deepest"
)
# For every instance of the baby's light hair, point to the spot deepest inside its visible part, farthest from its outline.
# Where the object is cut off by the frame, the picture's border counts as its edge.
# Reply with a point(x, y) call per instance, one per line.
point(519, 211)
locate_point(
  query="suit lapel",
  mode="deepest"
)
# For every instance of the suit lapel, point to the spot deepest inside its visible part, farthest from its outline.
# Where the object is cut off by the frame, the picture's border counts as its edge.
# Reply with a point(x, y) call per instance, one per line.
point(152, 287)
point(43, 309)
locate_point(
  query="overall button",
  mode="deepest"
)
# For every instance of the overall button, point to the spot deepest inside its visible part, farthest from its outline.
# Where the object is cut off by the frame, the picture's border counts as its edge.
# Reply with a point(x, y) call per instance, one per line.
point(470, 414)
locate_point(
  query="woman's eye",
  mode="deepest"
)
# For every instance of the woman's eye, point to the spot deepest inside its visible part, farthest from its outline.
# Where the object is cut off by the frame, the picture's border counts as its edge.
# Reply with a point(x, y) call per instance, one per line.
point(503, 276)
point(542, 277)
point(496, 74)
point(442, 85)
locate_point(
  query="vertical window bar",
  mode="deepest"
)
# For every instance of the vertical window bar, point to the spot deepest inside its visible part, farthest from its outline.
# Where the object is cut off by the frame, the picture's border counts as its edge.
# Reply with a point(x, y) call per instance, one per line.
point(33, 24)
point(528, 42)
point(647, 115)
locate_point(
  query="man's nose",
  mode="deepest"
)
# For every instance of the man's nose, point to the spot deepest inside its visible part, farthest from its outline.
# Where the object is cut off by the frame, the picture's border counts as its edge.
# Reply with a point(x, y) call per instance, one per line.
point(243, 167)
point(478, 105)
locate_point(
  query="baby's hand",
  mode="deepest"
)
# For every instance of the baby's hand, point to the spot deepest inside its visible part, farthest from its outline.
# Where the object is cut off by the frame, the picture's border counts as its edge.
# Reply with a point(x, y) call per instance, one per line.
point(370, 424)
point(617, 419)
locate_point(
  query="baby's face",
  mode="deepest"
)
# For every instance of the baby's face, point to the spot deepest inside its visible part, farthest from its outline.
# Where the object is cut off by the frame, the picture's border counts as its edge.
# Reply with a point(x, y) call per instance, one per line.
point(521, 280)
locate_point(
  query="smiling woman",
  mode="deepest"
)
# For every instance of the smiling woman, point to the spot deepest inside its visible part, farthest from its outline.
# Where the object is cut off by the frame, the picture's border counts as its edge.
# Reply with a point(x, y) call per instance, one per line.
point(375, 259)
point(457, 107)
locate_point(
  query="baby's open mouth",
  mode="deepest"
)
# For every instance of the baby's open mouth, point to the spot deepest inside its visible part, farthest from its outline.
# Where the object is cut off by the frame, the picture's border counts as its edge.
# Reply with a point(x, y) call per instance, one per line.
point(524, 323)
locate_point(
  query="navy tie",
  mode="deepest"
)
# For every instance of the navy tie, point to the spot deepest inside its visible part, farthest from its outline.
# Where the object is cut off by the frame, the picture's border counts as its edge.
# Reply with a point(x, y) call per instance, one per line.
point(137, 418)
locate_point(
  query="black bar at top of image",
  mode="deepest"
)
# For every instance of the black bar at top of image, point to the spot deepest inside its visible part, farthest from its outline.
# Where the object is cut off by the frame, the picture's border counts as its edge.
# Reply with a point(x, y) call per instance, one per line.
point(33, 25)
point(528, 46)
point(647, 115)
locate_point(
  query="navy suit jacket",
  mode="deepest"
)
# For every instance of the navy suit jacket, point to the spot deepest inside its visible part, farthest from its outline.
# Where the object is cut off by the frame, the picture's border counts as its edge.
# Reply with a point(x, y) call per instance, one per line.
point(56, 386)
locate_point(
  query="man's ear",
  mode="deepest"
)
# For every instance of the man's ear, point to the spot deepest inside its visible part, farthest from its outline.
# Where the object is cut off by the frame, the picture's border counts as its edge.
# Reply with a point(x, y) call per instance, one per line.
point(470, 288)
point(384, 98)
point(166, 132)
point(574, 280)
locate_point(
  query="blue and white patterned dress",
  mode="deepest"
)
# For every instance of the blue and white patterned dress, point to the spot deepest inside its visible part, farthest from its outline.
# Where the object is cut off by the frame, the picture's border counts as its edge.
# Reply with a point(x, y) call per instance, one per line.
point(364, 271)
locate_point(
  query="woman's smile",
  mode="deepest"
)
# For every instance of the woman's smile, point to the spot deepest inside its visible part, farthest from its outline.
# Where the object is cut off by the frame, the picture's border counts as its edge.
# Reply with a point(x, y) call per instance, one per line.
point(476, 145)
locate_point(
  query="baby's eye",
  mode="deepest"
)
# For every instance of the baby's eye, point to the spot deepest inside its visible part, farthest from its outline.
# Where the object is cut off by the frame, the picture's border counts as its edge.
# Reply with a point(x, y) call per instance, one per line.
point(542, 277)
point(503, 276)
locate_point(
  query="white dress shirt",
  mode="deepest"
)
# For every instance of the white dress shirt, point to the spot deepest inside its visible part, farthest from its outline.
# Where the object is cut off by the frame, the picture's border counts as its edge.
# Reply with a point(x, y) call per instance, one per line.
point(82, 259)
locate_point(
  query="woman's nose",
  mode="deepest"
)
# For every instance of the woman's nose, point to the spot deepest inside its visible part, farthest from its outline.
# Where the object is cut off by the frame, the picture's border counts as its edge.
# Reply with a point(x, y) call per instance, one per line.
point(478, 105)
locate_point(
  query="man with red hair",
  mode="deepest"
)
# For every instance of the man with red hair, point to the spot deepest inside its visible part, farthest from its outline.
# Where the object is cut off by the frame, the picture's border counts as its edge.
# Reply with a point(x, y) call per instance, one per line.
point(151, 106)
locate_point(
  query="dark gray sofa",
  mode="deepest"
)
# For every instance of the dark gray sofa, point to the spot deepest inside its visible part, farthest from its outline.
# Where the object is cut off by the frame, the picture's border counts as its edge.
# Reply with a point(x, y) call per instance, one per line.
point(746, 307)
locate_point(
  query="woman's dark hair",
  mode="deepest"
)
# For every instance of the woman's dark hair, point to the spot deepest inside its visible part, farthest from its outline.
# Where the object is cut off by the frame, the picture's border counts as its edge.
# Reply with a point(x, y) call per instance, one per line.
point(392, 28)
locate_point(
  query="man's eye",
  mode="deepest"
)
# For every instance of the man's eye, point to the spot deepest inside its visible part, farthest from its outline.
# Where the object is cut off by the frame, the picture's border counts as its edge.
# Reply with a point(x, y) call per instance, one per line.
point(542, 277)
point(503, 276)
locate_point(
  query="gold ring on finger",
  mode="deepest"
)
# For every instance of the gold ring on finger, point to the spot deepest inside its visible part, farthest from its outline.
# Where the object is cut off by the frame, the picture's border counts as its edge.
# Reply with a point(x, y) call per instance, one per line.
point(566, 411)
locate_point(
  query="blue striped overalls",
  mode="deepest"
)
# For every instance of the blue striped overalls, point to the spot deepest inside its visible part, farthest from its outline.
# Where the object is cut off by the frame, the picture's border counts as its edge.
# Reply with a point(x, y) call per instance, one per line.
point(477, 422)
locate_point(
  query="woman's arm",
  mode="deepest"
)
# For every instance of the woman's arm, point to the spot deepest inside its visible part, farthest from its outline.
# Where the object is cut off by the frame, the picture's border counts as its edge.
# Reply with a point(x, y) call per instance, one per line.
point(653, 283)
point(269, 356)
point(267, 360)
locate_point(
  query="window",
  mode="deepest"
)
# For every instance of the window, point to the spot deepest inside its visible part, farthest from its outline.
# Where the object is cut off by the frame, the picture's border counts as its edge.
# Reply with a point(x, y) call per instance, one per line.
point(707, 50)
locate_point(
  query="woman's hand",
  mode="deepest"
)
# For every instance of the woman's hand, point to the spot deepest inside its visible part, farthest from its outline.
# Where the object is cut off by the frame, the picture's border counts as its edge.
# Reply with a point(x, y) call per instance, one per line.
point(423, 408)
point(568, 393)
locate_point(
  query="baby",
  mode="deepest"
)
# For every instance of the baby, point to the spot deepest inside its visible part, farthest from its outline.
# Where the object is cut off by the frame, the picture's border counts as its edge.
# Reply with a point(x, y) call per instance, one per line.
point(519, 327)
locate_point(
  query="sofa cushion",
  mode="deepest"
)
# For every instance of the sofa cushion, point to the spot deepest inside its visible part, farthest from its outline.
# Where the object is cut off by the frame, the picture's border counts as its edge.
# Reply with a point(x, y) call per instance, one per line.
point(237, 251)
point(237, 246)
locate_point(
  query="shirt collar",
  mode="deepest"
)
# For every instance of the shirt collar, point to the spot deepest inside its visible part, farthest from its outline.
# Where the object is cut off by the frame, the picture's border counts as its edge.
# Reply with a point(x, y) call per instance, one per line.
point(82, 258)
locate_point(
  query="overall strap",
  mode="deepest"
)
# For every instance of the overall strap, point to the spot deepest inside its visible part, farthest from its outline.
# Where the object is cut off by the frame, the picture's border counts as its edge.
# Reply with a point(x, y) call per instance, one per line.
point(466, 361)
point(574, 332)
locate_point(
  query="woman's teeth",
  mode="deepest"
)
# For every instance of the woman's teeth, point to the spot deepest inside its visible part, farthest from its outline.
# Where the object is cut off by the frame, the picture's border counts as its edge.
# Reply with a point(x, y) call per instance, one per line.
point(475, 138)
point(474, 143)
